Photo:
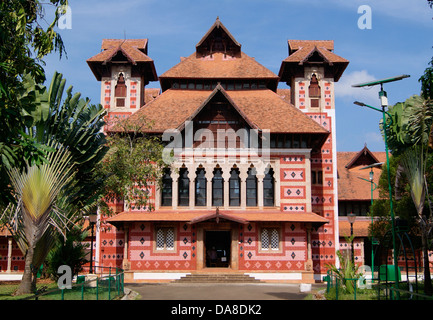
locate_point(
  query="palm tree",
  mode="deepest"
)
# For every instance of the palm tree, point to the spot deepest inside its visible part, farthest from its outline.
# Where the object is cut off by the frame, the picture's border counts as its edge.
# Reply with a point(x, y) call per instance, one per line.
point(39, 212)
point(69, 132)
point(414, 163)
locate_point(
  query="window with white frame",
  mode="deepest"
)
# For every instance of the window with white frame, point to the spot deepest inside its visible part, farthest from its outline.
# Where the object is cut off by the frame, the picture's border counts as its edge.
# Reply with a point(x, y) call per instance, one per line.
point(164, 238)
point(270, 239)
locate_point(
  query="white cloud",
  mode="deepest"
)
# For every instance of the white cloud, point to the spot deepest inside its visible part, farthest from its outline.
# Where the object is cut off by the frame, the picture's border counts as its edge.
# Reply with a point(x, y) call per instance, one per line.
point(344, 89)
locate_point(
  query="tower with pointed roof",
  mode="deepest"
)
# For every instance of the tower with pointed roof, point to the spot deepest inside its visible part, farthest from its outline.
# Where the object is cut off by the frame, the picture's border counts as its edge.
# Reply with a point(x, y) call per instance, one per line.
point(311, 70)
point(124, 69)
point(240, 180)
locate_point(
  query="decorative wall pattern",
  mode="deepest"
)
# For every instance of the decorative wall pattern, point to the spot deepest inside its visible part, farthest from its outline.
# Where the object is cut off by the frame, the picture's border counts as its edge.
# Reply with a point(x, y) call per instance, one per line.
point(291, 256)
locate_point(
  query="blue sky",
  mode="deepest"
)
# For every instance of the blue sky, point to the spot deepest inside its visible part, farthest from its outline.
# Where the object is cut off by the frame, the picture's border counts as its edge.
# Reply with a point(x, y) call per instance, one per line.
point(399, 42)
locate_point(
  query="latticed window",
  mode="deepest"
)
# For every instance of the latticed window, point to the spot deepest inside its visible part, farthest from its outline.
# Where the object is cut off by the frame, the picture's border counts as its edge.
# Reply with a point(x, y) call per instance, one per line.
point(270, 239)
point(165, 239)
point(218, 188)
point(314, 92)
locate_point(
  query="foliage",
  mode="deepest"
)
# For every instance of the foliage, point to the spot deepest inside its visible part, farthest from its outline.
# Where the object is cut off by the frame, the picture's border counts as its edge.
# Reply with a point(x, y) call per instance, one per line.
point(73, 122)
point(71, 252)
point(39, 213)
point(412, 122)
point(24, 42)
point(348, 270)
point(71, 125)
point(132, 166)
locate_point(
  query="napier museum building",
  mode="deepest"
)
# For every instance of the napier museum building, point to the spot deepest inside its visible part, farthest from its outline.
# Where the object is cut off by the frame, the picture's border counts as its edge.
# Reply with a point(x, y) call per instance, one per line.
point(252, 183)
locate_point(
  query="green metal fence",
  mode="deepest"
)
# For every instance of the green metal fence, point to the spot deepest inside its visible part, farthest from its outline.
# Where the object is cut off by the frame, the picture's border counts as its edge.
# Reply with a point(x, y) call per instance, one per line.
point(377, 288)
point(108, 285)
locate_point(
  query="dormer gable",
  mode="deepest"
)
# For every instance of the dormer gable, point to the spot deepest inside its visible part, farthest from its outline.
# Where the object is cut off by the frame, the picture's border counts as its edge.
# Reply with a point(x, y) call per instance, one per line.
point(218, 39)
point(363, 158)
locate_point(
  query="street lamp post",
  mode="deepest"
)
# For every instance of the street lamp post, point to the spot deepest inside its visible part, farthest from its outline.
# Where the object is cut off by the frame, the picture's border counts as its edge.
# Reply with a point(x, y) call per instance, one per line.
point(352, 217)
point(373, 187)
point(92, 221)
point(384, 103)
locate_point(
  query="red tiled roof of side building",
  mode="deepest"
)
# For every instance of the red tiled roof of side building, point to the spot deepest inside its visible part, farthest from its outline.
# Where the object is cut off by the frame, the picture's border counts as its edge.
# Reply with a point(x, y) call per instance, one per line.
point(297, 44)
point(360, 228)
point(263, 108)
point(134, 49)
point(350, 186)
point(219, 67)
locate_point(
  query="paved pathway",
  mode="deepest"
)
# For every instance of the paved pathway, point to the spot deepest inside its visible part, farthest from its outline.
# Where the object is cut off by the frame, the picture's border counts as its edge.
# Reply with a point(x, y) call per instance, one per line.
point(212, 291)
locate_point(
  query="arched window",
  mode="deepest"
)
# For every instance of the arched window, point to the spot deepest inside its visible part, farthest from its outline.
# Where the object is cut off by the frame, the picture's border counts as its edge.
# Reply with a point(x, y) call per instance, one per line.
point(183, 187)
point(120, 91)
point(167, 188)
point(251, 184)
point(200, 188)
point(314, 92)
point(234, 188)
point(218, 188)
point(268, 189)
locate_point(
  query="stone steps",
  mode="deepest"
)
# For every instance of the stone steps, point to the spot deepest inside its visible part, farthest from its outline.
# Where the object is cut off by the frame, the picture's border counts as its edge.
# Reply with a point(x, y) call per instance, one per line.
point(217, 278)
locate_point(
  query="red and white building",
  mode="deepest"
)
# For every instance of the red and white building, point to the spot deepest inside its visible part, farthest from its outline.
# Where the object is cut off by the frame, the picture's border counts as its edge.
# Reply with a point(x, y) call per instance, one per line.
point(254, 175)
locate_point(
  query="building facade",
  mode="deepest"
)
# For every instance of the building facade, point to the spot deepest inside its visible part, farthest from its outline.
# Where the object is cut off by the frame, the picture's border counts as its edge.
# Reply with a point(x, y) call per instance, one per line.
point(252, 181)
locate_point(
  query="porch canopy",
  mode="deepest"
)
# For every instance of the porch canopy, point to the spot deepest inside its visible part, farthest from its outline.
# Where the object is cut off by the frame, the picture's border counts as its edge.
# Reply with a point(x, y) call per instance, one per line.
point(196, 216)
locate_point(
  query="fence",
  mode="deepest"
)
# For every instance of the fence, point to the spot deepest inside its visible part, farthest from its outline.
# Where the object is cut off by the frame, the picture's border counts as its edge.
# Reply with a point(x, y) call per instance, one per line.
point(107, 284)
point(377, 290)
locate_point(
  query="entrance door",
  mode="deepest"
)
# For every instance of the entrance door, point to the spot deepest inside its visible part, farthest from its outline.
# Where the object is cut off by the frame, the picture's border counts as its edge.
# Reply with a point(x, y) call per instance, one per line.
point(217, 245)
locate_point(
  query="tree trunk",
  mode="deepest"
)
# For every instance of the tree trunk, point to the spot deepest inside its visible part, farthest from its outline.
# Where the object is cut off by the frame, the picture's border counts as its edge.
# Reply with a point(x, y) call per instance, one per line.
point(428, 290)
point(27, 285)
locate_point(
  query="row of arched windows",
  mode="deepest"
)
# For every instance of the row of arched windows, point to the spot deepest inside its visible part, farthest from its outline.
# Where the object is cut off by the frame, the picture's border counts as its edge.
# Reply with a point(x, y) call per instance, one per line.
point(234, 185)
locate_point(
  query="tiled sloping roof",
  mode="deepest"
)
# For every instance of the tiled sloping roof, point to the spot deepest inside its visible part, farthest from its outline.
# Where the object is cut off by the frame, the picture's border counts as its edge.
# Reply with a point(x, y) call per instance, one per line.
point(263, 108)
point(285, 94)
point(218, 67)
point(267, 110)
point(240, 215)
point(171, 109)
point(304, 52)
point(297, 44)
point(360, 228)
point(350, 187)
point(151, 94)
point(131, 48)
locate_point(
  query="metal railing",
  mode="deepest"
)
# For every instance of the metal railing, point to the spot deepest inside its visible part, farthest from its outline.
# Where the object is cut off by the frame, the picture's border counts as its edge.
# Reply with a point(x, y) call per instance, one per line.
point(108, 284)
point(383, 290)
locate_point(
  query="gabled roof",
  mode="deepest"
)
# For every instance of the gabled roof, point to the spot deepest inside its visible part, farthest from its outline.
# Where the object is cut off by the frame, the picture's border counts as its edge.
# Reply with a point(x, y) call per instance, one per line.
point(300, 52)
point(219, 67)
point(351, 186)
point(364, 157)
point(218, 25)
point(133, 50)
point(262, 109)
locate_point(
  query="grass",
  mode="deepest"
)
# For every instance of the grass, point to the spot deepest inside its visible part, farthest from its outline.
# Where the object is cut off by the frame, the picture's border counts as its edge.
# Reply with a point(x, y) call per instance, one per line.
point(78, 292)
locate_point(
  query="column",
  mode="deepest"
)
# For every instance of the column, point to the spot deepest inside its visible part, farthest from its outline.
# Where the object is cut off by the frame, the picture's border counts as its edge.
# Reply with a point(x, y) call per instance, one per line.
point(243, 175)
point(191, 176)
point(309, 263)
point(125, 263)
point(209, 176)
point(174, 176)
point(9, 254)
point(226, 177)
point(260, 190)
